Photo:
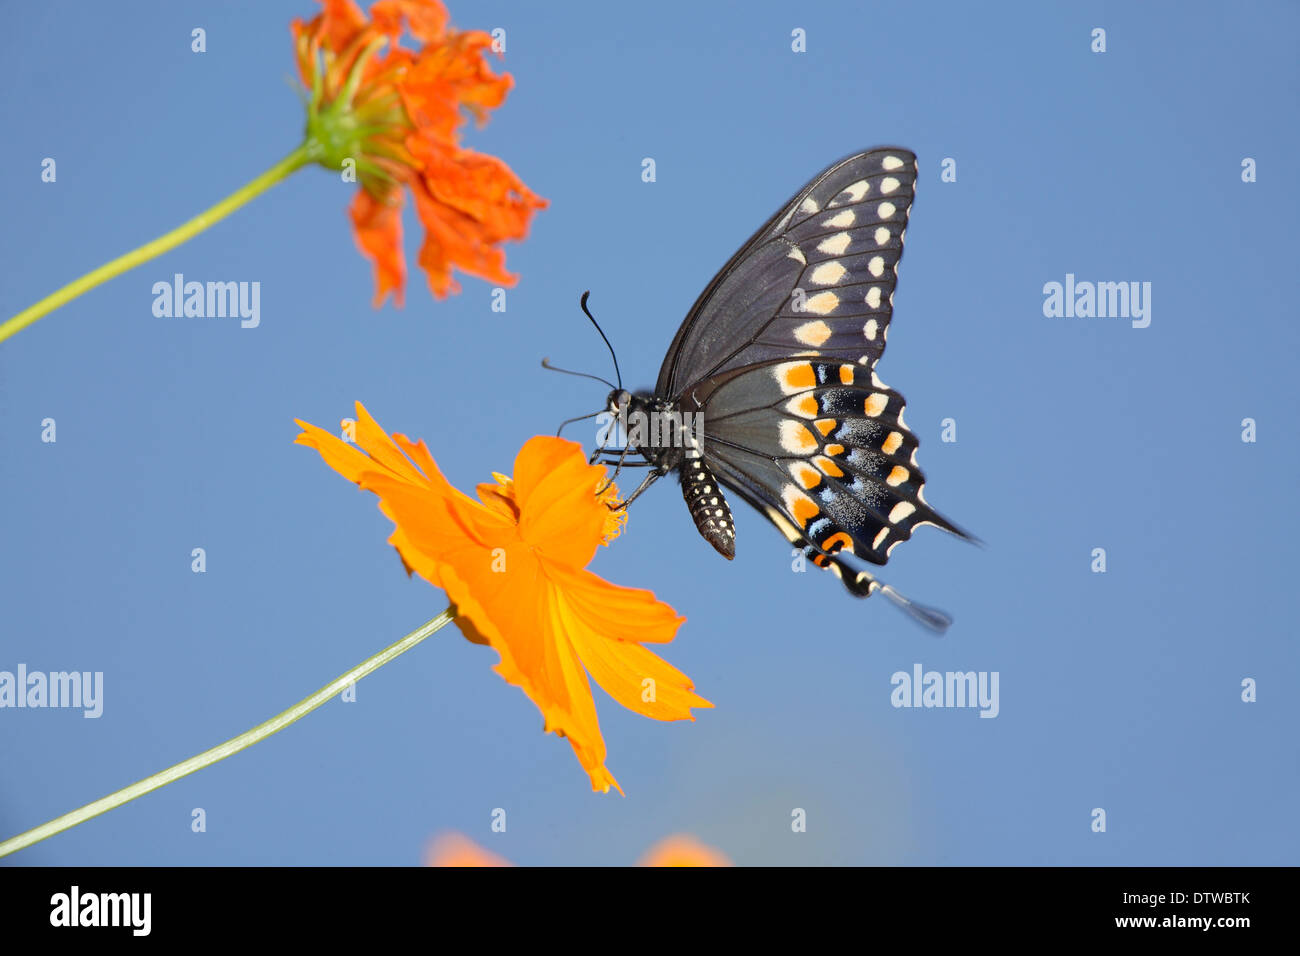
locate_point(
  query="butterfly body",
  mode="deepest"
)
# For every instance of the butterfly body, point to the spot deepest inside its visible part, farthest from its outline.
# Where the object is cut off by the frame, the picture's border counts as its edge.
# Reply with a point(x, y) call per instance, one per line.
point(772, 375)
point(667, 444)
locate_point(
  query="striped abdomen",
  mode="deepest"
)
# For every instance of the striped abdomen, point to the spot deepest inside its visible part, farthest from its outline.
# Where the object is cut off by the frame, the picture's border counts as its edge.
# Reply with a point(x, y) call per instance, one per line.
point(709, 508)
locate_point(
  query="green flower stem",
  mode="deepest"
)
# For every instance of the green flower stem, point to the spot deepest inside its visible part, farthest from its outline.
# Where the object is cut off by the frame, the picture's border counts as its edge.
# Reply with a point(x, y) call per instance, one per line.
point(294, 161)
point(232, 746)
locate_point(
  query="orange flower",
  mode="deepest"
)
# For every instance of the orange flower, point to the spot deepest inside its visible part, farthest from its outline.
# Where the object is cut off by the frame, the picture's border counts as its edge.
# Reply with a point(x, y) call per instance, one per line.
point(683, 850)
point(452, 849)
point(394, 119)
point(514, 567)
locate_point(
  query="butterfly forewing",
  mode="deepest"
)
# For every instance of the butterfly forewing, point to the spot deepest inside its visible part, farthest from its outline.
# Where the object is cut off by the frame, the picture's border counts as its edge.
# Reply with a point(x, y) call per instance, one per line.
point(818, 277)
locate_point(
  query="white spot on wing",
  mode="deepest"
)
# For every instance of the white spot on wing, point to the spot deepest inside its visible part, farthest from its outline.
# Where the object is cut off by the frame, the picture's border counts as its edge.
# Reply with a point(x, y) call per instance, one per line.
point(840, 220)
point(876, 266)
point(821, 303)
point(891, 163)
point(809, 206)
point(813, 333)
point(852, 193)
point(836, 244)
point(900, 511)
point(882, 236)
point(828, 273)
point(873, 297)
point(869, 330)
point(795, 438)
point(888, 185)
point(887, 210)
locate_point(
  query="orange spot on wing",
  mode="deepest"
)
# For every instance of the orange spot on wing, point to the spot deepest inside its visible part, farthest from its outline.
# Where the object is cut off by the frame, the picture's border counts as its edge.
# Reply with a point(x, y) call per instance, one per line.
point(839, 541)
point(806, 475)
point(805, 405)
point(805, 509)
point(834, 449)
point(875, 404)
point(825, 425)
point(800, 376)
point(828, 467)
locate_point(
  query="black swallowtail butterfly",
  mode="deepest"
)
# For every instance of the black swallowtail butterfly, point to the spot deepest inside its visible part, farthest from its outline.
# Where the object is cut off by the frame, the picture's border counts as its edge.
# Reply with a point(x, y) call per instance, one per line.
point(769, 388)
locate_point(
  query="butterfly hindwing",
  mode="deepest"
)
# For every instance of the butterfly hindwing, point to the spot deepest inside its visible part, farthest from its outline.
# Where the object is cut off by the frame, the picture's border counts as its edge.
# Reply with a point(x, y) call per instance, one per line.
point(826, 449)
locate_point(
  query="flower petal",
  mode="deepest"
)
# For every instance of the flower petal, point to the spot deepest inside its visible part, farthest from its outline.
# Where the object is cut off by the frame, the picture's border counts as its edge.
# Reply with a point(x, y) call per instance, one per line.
point(468, 204)
point(555, 490)
point(426, 19)
point(377, 226)
point(629, 614)
point(340, 22)
point(607, 624)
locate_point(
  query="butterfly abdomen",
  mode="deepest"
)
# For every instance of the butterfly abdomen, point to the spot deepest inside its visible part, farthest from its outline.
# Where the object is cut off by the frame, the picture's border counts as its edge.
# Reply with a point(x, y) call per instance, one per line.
point(709, 509)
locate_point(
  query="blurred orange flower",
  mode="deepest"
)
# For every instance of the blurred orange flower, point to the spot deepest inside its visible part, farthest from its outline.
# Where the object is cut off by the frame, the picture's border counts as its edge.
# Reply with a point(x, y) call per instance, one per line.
point(452, 849)
point(394, 119)
point(514, 567)
point(683, 850)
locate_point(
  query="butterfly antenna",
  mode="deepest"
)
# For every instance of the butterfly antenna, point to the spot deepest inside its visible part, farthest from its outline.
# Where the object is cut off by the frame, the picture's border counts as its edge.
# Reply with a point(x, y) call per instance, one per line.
point(546, 364)
point(579, 418)
point(583, 302)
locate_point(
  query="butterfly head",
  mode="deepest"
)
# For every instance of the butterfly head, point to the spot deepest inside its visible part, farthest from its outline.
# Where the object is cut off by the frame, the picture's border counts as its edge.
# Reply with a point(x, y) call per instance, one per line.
point(619, 400)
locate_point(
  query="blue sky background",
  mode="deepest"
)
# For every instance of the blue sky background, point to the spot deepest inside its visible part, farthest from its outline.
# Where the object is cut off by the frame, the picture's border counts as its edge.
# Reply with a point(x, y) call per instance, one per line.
point(1118, 690)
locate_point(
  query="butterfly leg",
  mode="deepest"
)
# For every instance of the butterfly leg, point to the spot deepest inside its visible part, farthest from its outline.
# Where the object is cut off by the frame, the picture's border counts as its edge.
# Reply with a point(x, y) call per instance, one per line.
point(617, 468)
point(646, 482)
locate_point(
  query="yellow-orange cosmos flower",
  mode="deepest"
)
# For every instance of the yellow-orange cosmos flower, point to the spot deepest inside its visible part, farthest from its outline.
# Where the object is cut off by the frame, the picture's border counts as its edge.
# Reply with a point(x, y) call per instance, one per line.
point(394, 118)
point(514, 566)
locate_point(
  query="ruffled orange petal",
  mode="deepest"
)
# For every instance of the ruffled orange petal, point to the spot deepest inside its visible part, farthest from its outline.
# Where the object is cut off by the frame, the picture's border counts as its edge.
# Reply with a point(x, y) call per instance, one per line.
point(378, 229)
point(340, 22)
point(448, 76)
point(481, 187)
point(425, 19)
